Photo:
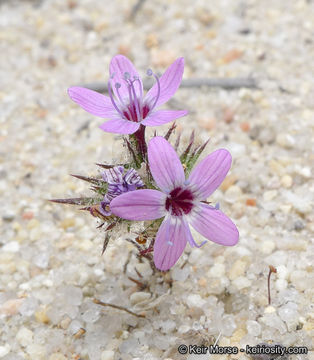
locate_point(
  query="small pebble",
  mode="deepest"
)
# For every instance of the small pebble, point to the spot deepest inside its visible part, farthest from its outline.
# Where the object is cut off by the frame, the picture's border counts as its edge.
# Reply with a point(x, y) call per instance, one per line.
point(195, 300)
point(241, 282)
point(253, 328)
point(9, 216)
point(237, 269)
point(12, 246)
point(24, 336)
point(233, 194)
point(67, 223)
point(57, 356)
point(270, 195)
point(4, 350)
point(41, 316)
point(286, 181)
point(250, 202)
point(298, 225)
point(139, 297)
point(229, 181)
point(245, 126)
point(285, 140)
point(36, 351)
point(107, 355)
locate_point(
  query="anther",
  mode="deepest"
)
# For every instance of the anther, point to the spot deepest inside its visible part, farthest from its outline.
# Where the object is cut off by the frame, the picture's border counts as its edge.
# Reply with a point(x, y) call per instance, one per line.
point(112, 100)
point(117, 85)
point(126, 76)
point(149, 72)
point(186, 182)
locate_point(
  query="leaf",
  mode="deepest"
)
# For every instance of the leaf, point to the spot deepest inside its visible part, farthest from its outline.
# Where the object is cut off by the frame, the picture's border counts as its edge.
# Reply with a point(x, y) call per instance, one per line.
point(94, 181)
point(77, 201)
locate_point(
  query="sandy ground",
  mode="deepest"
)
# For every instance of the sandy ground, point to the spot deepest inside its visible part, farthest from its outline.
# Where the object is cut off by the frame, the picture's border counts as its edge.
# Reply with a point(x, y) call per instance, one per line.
point(50, 262)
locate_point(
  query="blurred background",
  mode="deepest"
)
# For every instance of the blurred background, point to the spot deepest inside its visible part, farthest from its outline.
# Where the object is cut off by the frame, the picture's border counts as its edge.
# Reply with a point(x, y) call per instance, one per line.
point(50, 262)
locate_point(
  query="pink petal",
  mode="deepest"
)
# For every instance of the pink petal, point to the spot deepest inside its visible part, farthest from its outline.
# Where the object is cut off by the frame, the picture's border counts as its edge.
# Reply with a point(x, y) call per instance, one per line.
point(120, 126)
point(161, 117)
point(170, 242)
point(164, 164)
point(169, 83)
point(92, 102)
point(215, 226)
point(120, 65)
point(139, 205)
point(210, 172)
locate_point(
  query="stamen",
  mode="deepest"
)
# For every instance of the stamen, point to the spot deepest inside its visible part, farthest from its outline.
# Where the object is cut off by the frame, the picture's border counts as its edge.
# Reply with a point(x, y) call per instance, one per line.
point(112, 99)
point(126, 76)
point(149, 72)
point(136, 78)
point(118, 86)
point(135, 100)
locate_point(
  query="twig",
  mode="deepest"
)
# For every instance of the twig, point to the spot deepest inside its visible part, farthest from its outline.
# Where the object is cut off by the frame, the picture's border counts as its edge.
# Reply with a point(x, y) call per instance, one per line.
point(140, 285)
point(225, 83)
point(218, 337)
point(138, 273)
point(105, 244)
point(136, 8)
point(125, 266)
point(185, 262)
point(98, 302)
point(272, 269)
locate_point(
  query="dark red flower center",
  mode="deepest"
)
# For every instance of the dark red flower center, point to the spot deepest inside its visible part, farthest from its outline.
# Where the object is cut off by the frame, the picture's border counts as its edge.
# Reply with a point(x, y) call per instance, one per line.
point(131, 114)
point(179, 201)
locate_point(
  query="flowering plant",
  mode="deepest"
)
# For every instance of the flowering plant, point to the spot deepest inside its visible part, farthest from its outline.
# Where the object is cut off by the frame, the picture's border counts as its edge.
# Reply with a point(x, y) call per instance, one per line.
point(170, 194)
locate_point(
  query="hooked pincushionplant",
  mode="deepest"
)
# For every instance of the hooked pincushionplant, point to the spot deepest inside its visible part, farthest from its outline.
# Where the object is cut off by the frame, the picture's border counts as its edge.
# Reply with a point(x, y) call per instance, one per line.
point(181, 202)
point(126, 107)
point(117, 185)
point(128, 192)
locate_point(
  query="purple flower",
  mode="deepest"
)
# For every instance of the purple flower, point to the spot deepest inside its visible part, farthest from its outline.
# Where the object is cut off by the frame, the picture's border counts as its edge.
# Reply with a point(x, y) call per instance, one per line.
point(180, 201)
point(126, 107)
point(118, 184)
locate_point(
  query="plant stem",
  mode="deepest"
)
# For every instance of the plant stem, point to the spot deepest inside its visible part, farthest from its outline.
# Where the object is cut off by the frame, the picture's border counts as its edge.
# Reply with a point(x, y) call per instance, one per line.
point(140, 142)
point(98, 302)
point(272, 269)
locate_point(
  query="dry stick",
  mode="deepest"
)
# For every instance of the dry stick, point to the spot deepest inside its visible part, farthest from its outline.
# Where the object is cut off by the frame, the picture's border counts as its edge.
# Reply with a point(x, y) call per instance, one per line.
point(141, 285)
point(272, 269)
point(226, 83)
point(98, 302)
point(136, 8)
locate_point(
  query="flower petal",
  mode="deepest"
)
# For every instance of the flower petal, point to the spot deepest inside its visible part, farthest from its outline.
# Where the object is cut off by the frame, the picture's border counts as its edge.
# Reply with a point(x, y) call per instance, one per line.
point(169, 83)
point(161, 117)
point(120, 65)
point(210, 172)
point(92, 102)
point(215, 225)
point(139, 205)
point(120, 126)
point(164, 164)
point(170, 242)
